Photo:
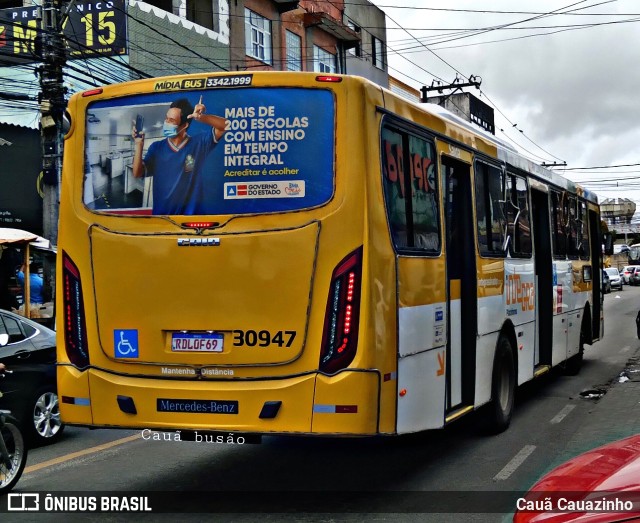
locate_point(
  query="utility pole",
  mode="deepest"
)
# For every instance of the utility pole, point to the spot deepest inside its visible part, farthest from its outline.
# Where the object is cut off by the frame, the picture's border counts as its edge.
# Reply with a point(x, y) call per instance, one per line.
point(474, 81)
point(52, 106)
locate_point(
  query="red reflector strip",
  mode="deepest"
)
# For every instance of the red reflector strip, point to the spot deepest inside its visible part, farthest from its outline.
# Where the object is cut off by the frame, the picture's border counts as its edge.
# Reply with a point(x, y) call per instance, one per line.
point(69, 266)
point(92, 92)
point(335, 409)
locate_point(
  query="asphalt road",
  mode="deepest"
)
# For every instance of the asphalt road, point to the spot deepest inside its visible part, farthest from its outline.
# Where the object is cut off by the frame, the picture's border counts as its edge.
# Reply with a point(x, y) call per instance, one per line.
point(459, 469)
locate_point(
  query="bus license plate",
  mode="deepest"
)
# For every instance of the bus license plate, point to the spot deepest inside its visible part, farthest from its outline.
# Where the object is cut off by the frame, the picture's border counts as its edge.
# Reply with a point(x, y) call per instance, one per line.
point(197, 341)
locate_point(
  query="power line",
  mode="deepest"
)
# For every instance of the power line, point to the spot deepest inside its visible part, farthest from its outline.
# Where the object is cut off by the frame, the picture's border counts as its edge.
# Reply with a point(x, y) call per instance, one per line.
point(549, 33)
point(518, 22)
point(457, 71)
point(482, 11)
point(601, 167)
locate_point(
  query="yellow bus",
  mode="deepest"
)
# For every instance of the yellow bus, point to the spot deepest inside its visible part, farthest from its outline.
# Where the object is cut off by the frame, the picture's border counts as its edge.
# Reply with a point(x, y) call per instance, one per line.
point(295, 253)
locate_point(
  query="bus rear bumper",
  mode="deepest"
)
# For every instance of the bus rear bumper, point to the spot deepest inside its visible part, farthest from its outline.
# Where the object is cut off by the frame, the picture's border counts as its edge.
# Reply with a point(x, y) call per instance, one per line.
point(346, 403)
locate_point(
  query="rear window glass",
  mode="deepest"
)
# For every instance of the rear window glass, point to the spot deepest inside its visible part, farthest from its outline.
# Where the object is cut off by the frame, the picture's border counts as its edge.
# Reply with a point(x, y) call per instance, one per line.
point(12, 328)
point(251, 150)
point(29, 330)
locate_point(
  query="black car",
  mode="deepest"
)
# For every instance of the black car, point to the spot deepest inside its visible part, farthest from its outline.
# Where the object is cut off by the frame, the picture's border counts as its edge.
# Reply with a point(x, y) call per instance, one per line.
point(28, 349)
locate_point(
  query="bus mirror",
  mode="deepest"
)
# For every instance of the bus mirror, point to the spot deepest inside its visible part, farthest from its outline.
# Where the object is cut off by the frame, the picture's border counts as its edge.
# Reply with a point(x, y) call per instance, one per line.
point(66, 122)
point(607, 239)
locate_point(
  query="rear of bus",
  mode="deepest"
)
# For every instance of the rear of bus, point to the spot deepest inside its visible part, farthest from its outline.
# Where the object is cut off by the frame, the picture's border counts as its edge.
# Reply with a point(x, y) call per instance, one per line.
point(247, 310)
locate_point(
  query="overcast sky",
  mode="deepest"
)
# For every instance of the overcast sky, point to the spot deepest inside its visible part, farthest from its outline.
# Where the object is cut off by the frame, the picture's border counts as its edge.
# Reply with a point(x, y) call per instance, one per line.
point(573, 91)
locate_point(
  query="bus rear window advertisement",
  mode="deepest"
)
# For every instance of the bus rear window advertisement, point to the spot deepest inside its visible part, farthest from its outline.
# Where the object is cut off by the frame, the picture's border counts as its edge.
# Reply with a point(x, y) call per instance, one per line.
point(274, 152)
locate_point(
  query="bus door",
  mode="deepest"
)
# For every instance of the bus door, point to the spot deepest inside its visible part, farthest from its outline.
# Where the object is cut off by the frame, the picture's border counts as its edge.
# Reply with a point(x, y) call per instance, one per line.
point(543, 276)
point(461, 284)
point(597, 320)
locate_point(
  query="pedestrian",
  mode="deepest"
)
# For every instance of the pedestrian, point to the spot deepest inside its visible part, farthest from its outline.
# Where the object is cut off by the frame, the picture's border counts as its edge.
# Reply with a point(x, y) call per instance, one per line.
point(36, 283)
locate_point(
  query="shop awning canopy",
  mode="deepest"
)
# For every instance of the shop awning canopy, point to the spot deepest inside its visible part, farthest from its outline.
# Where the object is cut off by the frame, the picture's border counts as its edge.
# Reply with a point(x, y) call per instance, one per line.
point(18, 236)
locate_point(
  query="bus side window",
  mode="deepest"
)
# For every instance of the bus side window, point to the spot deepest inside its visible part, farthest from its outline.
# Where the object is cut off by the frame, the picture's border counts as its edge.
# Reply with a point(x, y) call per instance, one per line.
point(572, 227)
point(393, 181)
point(424, 194)
point(583, 231)
point(518, 219)
point(410, 182)
point(490, 212)
point(558, 225)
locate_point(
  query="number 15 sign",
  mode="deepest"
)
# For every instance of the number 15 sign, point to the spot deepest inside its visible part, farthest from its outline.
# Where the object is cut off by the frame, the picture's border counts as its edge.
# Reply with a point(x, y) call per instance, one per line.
point(96, 28)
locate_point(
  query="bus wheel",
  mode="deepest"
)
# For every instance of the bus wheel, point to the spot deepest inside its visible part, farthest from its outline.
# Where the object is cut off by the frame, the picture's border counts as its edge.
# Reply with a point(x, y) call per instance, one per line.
point(574, 363)
point(503, 387)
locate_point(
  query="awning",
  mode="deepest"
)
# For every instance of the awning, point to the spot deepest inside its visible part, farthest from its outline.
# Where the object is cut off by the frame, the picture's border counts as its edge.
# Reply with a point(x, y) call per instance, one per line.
point(18, 236)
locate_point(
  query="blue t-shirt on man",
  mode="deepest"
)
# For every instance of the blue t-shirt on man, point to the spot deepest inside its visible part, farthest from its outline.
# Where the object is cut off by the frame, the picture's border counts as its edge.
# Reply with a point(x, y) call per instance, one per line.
point(176, 172)
point(35, 286)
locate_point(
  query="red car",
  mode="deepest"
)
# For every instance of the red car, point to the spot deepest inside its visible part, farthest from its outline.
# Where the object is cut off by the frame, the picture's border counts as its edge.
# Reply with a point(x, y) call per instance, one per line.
point(599, 486)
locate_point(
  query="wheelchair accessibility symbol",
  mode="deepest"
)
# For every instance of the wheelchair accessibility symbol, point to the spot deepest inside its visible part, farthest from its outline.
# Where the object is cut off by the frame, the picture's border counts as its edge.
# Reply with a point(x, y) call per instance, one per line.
point(125, 343)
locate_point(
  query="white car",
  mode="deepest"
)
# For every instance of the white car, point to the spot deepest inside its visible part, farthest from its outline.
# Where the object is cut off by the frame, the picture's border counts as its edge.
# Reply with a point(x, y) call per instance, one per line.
point(614, 278)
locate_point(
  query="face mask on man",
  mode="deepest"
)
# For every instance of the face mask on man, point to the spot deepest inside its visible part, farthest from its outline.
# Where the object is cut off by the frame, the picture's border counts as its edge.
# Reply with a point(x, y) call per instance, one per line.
point(169, 130)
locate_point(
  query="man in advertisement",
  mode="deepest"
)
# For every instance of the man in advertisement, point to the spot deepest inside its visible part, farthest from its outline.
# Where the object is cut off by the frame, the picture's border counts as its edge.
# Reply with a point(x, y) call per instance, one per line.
point(175, 163)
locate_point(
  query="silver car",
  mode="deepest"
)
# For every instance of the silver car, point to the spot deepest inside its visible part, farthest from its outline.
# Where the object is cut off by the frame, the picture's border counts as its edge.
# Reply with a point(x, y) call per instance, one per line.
point(614, 278)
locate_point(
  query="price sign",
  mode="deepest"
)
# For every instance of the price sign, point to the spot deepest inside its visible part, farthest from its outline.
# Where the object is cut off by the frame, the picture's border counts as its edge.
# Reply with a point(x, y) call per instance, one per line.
point(91, 28)
point(96, 29)
point(18, 31)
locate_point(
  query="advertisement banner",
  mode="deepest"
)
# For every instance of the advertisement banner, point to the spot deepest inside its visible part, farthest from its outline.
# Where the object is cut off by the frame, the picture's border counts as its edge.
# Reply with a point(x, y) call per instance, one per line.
point(210, 151)
point(20, 178)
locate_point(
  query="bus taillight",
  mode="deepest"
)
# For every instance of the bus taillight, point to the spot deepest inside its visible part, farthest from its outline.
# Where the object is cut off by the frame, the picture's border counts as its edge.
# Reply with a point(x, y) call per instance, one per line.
point(331, 78)
point(340, 335)
point(75, 328)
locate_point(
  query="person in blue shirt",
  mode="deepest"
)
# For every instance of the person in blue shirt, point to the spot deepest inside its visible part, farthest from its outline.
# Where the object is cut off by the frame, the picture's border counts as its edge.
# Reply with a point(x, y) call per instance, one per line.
point(36, 283)
point(176, 162)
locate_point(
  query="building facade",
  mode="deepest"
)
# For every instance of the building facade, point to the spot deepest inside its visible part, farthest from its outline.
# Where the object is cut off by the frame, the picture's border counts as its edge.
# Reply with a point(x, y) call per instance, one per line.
point(168, 37)
point(369, 57)
point(307, 36)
